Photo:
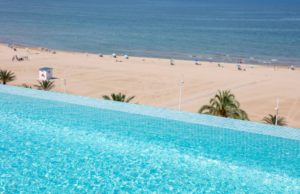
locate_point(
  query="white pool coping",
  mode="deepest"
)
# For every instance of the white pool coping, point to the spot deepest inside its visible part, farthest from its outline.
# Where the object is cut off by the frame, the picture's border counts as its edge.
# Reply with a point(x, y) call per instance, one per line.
point(202, 119)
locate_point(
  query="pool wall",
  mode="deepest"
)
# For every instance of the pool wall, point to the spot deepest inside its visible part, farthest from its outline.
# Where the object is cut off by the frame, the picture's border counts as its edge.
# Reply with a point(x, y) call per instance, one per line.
point(202, 119)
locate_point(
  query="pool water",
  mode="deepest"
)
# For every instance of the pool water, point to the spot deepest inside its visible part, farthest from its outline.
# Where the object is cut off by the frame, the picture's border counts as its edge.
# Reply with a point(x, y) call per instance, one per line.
point(50, 146)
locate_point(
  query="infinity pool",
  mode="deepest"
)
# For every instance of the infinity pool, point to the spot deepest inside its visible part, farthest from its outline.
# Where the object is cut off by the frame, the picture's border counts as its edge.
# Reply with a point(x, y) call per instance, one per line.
point(56, 143)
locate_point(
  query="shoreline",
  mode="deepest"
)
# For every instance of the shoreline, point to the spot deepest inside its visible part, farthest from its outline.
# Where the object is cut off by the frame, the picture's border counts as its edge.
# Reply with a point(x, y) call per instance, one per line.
point(121, 55)
point(154, 82)
point(213, 58)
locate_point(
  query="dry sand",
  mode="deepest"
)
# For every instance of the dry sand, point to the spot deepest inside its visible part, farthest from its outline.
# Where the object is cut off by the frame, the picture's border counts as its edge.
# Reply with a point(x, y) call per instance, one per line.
point(155, 82)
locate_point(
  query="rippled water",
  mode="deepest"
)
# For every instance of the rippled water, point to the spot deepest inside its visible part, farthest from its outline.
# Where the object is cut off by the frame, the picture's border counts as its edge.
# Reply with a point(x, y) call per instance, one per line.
point(48, 146)
point(259, 31)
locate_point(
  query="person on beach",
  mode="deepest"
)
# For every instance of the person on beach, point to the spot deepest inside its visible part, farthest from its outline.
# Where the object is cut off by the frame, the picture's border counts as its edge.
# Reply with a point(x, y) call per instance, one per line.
point(172, 62)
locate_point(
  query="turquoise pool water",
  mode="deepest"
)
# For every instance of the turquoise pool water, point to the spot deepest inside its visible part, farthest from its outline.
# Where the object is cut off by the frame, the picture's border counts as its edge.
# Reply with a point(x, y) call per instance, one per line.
point(78, 147)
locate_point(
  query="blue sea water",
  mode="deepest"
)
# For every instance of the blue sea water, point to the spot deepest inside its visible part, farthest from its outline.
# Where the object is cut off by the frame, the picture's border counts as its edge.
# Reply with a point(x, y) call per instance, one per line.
point(261, 31)
point(56, 147)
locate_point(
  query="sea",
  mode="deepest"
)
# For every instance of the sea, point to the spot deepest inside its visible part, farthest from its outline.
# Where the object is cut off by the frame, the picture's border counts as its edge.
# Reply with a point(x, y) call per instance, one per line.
point(256, 31)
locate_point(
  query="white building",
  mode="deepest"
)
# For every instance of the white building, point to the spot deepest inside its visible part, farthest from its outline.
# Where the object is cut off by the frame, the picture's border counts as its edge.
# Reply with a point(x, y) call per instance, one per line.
point(45, 73)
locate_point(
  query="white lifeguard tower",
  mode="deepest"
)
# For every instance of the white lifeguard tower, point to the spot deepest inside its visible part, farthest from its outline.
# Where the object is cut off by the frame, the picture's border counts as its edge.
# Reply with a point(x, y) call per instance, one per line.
point(45, 73)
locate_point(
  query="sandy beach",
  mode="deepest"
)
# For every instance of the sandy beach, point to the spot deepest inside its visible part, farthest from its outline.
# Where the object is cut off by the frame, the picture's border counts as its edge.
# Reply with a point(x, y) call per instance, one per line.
point(155, 82)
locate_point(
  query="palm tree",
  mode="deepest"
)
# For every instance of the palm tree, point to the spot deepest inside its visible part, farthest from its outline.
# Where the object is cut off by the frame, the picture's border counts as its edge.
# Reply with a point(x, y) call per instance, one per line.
point(271, 119)
point(224, 104)
point(45, 85)
point(6, 76)
point(118, 97)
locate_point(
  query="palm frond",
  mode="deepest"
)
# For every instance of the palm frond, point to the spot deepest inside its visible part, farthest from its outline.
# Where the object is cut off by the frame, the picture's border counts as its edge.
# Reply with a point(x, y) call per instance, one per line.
point(118, 97)
point(271, 119)
point(6, 76)
point(45, 85)
point(106, 97)
point(129, 99)
point(224, 104)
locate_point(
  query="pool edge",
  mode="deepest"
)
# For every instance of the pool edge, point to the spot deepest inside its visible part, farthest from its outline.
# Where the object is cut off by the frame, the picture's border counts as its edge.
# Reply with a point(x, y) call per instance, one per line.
point(208, 120)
